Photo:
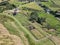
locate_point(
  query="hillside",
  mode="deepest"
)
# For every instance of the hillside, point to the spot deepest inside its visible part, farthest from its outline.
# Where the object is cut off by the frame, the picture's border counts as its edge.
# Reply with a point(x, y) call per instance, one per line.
point(29, 23)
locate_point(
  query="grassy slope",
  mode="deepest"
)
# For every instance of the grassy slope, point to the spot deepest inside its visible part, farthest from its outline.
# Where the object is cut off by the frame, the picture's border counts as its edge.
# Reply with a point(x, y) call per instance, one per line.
point(32, 5)
point(51, 5)
point(51, 20)
point(57, 2)
point(17, 32)
point(49, 42)
point(22, 20)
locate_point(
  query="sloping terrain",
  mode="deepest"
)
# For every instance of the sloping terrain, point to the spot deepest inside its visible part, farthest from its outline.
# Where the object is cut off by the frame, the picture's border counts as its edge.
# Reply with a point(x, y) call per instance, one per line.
point(32, 6)
point(8, 39)
point(52, 4)
point(29, 23)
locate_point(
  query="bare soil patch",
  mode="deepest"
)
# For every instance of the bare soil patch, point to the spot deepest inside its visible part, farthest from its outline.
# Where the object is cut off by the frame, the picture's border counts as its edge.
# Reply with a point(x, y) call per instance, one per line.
point(8, 39)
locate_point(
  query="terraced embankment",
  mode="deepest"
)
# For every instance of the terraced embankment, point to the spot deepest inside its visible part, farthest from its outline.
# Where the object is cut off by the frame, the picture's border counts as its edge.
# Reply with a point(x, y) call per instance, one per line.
point(17, 28)
point(8, 39)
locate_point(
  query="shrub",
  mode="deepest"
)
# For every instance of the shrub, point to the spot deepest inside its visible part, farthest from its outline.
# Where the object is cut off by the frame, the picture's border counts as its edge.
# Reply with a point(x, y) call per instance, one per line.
point(33, 17)
point(6, 6)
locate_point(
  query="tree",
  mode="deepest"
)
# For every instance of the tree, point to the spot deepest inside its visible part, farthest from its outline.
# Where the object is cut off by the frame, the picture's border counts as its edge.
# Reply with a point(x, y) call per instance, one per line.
point(5, 5)
point(41, 20)
point(33, 16)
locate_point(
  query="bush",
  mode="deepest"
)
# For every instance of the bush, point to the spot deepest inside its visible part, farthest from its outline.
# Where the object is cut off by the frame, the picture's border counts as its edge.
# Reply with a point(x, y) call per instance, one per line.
point(41, 20)
point(51, 21)
point(4, 3)
point(33, 17)
point(6, 6)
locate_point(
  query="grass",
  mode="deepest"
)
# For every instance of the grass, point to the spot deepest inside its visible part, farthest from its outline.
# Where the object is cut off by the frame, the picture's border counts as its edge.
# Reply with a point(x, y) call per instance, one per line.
point(16, 2)
point(25, 22)
point(13, 30)
point(21, 24)
point(51, 5)
point(45, 42)
point(51, 20)
point(56, 2)
point(32, 5)
point(5, 41)
point(39, 29)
